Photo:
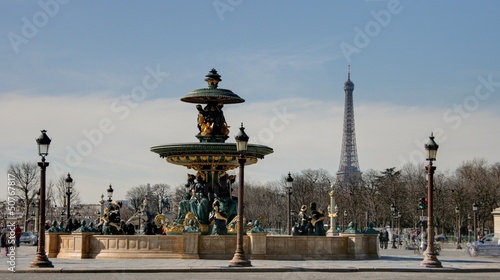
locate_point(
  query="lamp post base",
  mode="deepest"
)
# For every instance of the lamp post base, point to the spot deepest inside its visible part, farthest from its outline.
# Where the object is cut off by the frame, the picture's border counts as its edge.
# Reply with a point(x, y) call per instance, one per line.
point(41, 260)
point(239, 260)
point(431, 261)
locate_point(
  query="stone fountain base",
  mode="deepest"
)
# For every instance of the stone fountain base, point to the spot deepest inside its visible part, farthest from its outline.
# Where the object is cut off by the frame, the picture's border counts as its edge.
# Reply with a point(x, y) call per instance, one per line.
point(197, 246)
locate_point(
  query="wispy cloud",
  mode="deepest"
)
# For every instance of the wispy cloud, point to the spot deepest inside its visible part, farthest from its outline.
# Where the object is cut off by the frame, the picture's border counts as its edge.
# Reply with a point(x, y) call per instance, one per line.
point(304, 133)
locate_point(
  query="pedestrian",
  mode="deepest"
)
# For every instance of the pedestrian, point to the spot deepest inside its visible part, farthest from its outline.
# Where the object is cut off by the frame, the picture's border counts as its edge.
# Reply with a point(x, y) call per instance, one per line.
point(381, 239)
point(385, 238)
point(3, 242)
point(148, 229)
point(18, 231)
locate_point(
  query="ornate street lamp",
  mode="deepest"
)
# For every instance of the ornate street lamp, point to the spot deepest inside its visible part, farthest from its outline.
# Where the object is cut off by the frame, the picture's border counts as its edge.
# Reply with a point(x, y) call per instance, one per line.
point(110, 193)
point(41, 259)
point(398, 222)
point(239, 258)
point(457, 212)
point(289, 187)
point(69, 185)
point(393, 216)
point(101, 202)
point(474, 209)
point(344, 220)
point(469, 228)
point(430, 256)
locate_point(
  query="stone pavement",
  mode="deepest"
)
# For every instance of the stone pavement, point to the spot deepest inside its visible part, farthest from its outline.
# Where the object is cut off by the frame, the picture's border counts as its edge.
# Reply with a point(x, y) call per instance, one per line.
point(392, 260)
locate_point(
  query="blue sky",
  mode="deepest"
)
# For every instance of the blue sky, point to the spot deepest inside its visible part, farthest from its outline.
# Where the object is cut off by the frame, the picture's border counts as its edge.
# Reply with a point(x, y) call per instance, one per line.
point(418, 66)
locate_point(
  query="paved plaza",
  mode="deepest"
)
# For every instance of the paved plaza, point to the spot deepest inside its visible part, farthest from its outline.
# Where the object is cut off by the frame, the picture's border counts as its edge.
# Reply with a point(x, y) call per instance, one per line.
point(392, 260)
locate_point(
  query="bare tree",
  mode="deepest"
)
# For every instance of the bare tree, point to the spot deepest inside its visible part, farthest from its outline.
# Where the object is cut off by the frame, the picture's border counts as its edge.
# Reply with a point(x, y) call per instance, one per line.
point(178, 195)
point(136, 196)
point(161, 195)
point(482, 186)
point(310, 186)
point(473, 181)
point(60, 193)
point(373, 197)
point(27, 182)
point(414, 187)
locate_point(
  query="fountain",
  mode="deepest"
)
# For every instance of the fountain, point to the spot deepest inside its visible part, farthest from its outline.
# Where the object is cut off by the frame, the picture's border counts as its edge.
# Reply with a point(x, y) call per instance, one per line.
point(205, 223)
point(208, 198)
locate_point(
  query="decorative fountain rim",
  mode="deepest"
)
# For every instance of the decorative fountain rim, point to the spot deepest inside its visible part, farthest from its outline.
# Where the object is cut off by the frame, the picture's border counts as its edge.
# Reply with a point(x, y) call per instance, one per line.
point(200, 149)
point(205, 95)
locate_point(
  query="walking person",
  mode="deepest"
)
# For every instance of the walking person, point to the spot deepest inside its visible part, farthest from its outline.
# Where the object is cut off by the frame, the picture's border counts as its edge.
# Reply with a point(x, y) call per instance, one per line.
point(385, 238)
point(381, 239)
point(18, 231)
point(3, 242)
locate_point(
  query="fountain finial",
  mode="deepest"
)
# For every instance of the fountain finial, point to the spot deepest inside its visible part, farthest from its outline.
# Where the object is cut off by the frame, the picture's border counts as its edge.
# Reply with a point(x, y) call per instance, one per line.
point(213, 78)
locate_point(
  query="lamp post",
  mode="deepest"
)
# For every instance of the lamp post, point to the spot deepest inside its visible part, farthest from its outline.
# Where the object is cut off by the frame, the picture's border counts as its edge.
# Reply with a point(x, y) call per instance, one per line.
point(469, 227)
point(289, 187)
point(430, 256)
point(457, 212)
point(344, 220)
point(398, 223)
point(101, 203)
point(41, 259)
point(332, 212)
point(474, 209)
point(239, 258)
point(110, 193)
point(393, 216)
point(393, 210)
point(69, 185)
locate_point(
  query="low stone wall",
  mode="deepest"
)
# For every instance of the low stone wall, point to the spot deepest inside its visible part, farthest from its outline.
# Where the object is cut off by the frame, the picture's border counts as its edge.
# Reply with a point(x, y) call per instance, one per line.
point(352, 246)
point(220, 247)
point(496, 221)
point(194, 246)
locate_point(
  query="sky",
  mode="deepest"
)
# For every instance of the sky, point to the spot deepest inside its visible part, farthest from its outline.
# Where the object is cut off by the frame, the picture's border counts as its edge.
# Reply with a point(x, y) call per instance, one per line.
point(105, 78)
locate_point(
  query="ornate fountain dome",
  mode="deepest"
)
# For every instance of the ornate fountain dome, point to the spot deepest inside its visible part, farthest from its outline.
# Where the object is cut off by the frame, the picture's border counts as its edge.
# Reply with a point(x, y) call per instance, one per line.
point(212, 153)
point(212, 93)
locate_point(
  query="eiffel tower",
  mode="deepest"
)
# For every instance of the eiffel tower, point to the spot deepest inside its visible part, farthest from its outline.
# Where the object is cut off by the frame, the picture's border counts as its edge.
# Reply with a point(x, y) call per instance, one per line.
point(349, 166)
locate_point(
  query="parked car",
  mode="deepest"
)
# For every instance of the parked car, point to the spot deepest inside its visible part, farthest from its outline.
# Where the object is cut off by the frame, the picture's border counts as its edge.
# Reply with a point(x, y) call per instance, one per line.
point(486, 246)
point(29, 238)
point(441, 238)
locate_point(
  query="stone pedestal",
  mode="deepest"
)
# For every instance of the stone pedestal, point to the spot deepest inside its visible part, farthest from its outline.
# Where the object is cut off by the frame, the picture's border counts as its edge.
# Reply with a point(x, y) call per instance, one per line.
point(496, 221)
point(52, 243)
point(362, 246)
point(76, 245)
point(190, 245)
point(258, 245)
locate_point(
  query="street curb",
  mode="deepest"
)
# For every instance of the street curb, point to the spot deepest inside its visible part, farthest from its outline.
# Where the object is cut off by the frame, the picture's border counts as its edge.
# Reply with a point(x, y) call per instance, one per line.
point(251, 269)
